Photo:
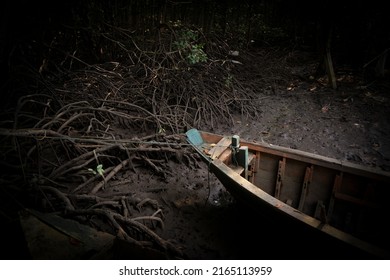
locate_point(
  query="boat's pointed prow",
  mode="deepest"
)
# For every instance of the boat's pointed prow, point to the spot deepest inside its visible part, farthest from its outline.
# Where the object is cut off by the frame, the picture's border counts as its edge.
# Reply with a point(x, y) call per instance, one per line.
point(194, 137)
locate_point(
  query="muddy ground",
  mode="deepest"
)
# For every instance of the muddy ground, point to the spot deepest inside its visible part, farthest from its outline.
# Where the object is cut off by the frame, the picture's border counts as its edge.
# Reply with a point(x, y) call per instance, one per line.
point(351, 123)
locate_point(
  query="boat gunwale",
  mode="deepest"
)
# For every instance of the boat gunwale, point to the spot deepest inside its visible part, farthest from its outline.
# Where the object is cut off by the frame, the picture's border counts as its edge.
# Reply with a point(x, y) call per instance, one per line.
point(307, 157)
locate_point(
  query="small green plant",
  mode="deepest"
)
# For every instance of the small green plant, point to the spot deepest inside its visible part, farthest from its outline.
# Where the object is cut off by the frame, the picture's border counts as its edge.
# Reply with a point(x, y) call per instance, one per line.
point(185, 38)
point(99, 170)
point(186, 43)
point(196, 54)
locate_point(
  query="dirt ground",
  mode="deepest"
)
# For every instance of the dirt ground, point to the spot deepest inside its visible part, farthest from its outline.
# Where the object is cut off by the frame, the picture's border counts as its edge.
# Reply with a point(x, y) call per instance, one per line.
point(200, 217)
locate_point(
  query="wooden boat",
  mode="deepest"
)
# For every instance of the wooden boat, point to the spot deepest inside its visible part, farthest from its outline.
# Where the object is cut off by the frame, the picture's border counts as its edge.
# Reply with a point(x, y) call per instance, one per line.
point(340, 200)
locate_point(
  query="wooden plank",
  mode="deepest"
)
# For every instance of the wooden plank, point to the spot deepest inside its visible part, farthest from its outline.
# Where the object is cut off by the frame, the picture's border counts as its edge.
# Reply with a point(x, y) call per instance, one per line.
point(336, 187)
point(226, 156)
point(355, 200)
point(320, 212)
point(305, 186)
point(251, 157)
point(337, 194)
point(237, 168)
point(242, 159)
point(280, 177)
point(255, 166)
point(220, 147)
point(253, 163)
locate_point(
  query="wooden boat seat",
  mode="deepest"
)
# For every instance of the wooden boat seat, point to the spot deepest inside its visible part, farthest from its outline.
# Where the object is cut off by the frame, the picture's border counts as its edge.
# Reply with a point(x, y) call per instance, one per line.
point(355, 200)
point(222, 151)
point(251, 157)
point(239, 169)
point(220, 147)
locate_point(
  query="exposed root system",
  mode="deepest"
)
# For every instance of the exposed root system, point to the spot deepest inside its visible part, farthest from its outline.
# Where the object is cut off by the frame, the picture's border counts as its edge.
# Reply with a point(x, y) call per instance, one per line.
point(71, 139)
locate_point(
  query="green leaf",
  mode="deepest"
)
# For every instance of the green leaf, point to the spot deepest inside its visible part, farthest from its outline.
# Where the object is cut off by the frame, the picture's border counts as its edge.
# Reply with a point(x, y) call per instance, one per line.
point(100, 169)
point(91, 170)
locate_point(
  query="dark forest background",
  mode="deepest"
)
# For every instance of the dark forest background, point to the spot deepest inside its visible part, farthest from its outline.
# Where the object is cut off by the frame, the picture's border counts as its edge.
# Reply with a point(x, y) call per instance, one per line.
point(160, 46)
point(34, 31)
